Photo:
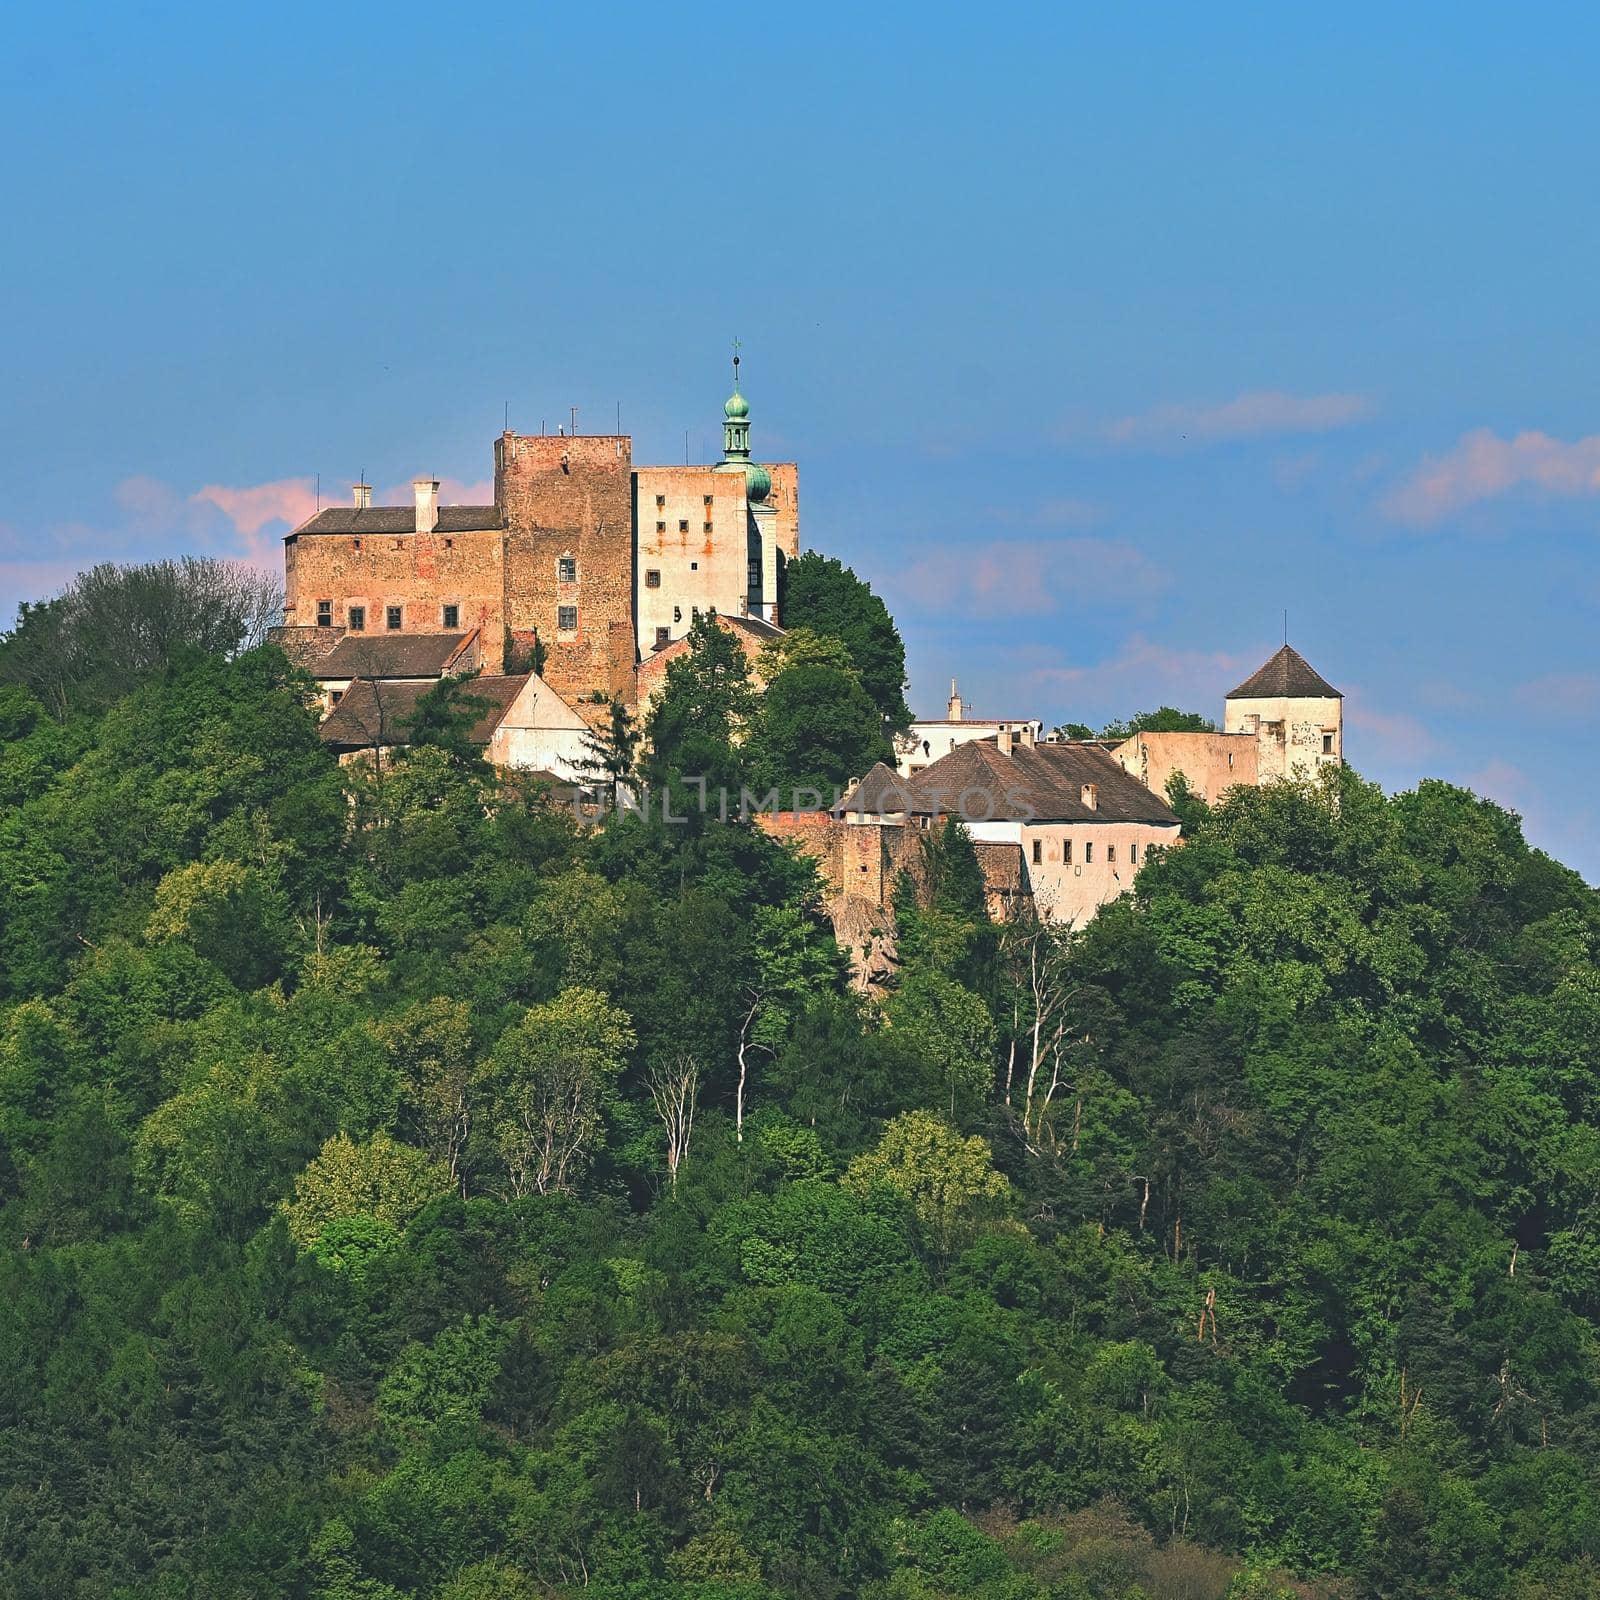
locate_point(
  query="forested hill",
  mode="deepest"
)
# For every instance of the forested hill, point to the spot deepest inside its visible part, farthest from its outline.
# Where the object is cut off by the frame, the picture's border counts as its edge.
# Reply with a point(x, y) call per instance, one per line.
point(359, 1242)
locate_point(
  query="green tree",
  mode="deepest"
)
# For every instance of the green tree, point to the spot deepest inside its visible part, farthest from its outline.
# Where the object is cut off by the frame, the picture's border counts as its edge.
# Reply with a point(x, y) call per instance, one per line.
point(949, 1181)
point(826, 597)
point(700, 717)
point(378, 1178)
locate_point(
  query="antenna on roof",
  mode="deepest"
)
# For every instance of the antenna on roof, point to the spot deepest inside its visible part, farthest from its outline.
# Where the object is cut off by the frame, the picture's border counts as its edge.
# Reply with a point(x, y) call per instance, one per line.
point(1286, 624)
point(506, 426)
point(574, 411)
point(619, 419)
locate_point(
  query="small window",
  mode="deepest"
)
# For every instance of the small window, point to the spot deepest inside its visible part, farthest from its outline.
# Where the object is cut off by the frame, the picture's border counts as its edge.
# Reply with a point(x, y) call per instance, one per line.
point(391, 617)
point(696, 611)
point(661, 501)
point(683, 524)
point(706, 527)
point(567, 618)
point(1327, 744)
point(358, 618)
point(1111, 854)
point(449, 544)
point(1038, 852)
point(663, 636)
point(661, 527)
point(399, 544)
point(1066, 852)
point(652, 578)
point(452, 616)
point(708, 499)
point(324, 613)
point(694, 566)
point(338, 695)
point(567, 569)
point(356, 543)
point(1088, 852)
point(1133, 854)
point(677, 613)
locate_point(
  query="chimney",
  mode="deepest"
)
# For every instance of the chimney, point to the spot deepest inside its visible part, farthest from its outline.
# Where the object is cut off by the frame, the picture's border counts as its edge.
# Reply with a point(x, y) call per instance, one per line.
point(427, 492)
point(363, 494)
point(1004, 737)
point(1091, 796)
point(953, 709)
point(1025, 734)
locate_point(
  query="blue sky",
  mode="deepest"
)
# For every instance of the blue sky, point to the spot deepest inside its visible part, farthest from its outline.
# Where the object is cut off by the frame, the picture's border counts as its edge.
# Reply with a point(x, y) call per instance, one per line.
point(1102, 334)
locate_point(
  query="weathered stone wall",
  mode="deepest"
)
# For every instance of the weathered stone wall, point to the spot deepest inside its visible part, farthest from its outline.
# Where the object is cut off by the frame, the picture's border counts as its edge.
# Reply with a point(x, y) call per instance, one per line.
point(1211, 762)
point(1295, 737)
point(419, 572)
point(570, 498)
point(692, 533)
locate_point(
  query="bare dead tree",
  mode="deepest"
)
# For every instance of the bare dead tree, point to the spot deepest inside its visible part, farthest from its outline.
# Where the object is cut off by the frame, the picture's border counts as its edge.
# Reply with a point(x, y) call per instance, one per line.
point(674, 1086)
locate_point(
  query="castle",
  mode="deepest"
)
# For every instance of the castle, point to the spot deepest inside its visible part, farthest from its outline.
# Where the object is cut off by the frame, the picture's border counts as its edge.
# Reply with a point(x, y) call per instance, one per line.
point(585, 562)
point(578, 585)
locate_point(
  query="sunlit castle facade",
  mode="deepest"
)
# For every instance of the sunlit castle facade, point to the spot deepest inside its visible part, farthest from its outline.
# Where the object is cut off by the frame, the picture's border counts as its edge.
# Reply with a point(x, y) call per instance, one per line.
point(585, 558)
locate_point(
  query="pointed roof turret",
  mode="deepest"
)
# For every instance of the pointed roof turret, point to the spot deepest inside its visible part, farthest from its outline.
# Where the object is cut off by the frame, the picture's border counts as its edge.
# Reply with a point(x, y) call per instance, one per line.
point(736, 442)
point(1288, 675)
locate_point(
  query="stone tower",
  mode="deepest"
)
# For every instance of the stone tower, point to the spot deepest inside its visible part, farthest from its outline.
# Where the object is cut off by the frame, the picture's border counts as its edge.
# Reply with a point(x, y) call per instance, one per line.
point(1296, 715)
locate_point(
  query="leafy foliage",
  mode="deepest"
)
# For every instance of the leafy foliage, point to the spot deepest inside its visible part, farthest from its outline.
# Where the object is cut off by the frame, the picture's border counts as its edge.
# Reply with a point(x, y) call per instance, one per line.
point(1242, 1244)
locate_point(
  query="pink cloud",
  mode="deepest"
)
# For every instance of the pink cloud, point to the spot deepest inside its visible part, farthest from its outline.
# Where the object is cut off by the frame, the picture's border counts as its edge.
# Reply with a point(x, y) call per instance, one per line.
point(252, 506)
point(1502, 782)
point(452, 492)
point(1483, 466)
point(1572, 694)
point(1031, 577)
point(1247, 416)
point(1146, 673)
point(1385, 735)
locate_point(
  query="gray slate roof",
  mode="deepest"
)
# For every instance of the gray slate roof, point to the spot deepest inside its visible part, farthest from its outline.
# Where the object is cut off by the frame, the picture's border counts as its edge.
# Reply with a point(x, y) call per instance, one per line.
point(1287, 673)
point(1044, 783)
point(390, 655)
point(380, 714)
point(398, 519)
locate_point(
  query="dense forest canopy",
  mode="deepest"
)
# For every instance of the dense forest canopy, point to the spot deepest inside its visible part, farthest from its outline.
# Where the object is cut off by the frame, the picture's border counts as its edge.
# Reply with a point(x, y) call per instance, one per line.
point(409, 1193)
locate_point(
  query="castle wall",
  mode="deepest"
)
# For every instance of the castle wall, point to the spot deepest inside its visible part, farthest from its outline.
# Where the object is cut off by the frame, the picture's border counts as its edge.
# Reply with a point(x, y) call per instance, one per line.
point(693, 534)
point(570, 498)
point(419, 572)
point(1294, 737)
point(1211, 762)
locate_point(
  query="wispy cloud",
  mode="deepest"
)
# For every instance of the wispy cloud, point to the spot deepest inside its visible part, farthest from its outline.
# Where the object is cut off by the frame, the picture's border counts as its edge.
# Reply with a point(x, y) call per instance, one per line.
point(1483, 466)
point(1031, 577)
point(1386, 736)
point(1254, 415)
point(250, 507)
point(1559, 695)
point(1141, 674)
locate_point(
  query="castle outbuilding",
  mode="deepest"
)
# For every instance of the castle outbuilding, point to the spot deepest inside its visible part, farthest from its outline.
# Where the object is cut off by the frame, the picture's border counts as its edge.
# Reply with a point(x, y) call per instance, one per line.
point(584, 560)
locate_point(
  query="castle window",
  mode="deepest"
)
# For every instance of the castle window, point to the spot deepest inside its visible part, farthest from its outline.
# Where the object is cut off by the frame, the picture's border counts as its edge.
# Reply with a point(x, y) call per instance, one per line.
point(337, 696)
point(1066, 852)
point(683, 524)
point(356, 543)
point(357, 616)
point(652, 578)
point(449, 544)
point(452, 616)
point(661, 527)
point(1133, 854)
point(661, 501)
point(391, 617)
point(567, 619)
point(694, 566)
point(1088, 852)
point(1038, 852)
point(677, 613)
point(708, 499)
point(706, 527)
point(663, 636)
point(1111, 854)
point(567, 569)
point(1327, 744)
point(324, 613)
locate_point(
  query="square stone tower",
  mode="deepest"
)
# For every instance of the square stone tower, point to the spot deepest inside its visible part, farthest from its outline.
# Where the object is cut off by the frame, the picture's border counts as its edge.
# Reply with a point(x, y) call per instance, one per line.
point(1296, 715)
